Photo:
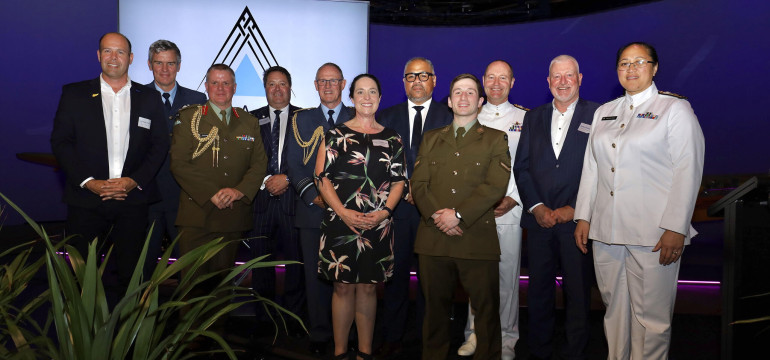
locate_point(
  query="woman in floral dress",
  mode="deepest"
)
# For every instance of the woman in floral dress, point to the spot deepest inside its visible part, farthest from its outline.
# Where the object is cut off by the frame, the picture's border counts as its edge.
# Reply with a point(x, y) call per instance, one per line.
point(360, 175)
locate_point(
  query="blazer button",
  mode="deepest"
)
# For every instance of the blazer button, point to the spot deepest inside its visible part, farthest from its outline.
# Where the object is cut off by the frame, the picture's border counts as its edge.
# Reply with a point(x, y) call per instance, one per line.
point(454, 191)
point(225, 139)
point(454, 172)
point(612, 193)
point(557, 166)
point(613, 145)
point(433, 163)
point(225, 157)
point(226, 174)
point(613, 169)
point(189, 198)
point(457, 153)
point(622, 125)
point(478, 164)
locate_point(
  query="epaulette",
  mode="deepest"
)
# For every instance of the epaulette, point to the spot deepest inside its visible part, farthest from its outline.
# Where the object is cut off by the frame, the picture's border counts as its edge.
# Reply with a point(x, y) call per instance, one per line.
point(298, 110)
point(672, 94)
point(520, 107)
point(186, 107)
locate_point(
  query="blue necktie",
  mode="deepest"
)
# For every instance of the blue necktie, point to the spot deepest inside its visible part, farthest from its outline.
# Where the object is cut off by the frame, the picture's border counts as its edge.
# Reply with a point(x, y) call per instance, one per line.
point(274, 135)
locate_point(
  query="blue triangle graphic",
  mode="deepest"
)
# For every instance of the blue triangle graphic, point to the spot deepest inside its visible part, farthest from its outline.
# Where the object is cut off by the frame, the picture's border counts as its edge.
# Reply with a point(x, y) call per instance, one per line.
point(247, 78)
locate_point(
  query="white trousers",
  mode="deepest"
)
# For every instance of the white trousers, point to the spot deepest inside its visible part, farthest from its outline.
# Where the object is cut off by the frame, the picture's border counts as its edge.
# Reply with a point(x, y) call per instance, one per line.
point(509, 236)
point(639, 294)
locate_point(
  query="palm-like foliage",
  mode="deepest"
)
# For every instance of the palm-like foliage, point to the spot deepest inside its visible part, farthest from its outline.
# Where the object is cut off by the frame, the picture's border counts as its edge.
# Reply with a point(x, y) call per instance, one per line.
point(139, 327)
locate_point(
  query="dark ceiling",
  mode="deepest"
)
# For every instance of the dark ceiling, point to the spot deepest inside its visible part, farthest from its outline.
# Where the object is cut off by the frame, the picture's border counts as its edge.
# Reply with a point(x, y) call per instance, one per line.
point(484, 12)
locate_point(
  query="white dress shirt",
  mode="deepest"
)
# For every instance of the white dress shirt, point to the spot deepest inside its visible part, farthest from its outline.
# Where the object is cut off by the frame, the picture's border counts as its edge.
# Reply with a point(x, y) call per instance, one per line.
point(117, 112)
point(413, 113)
point(559, 125)
point(642, 169)
point(509, 119)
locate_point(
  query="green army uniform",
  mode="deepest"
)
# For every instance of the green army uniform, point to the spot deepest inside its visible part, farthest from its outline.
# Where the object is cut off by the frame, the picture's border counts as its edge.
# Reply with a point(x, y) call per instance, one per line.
point(471, 176)
point(208, 154)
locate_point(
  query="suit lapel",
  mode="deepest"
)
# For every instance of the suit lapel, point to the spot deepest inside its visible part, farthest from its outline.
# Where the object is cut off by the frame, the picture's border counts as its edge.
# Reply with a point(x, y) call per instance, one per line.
point(97, 114)
point(572, 132)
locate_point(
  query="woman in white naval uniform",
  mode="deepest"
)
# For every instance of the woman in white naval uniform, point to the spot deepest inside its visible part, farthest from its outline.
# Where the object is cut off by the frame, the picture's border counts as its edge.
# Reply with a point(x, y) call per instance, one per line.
point(641, 174)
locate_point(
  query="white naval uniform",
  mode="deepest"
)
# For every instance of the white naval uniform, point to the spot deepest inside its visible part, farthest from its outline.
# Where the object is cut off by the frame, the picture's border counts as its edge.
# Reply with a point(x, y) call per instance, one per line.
point(510, 119)
point(642, 169)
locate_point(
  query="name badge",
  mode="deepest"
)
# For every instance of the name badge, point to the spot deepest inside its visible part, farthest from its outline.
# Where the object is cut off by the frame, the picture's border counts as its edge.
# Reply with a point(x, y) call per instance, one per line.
point(609, 118)
point(380, 142)
point(264, 121)
point(144, 123)
point(584, 128)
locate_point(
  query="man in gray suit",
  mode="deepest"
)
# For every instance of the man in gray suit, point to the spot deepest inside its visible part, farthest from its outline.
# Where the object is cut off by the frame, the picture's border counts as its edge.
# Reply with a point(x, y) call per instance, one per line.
point(165, 60)
point(308, 127)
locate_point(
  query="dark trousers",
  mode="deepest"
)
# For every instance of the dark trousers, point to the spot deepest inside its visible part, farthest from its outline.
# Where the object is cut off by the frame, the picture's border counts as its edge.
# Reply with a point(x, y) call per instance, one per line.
point(162, 219)
point(319, 292)
point(548, 251)
point(481, 279)
point(114, 223)
point(396, 297)
point(274, 232)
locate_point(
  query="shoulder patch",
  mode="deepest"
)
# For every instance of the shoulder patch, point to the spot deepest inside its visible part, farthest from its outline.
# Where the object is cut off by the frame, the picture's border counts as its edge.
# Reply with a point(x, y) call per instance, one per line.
point(672, 94)
point(520, 107)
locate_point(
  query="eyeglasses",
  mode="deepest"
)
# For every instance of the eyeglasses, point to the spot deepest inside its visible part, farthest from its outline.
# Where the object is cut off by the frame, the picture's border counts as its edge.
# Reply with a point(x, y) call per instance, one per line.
point(638, 64)
point(332, 82)
point(424, 76)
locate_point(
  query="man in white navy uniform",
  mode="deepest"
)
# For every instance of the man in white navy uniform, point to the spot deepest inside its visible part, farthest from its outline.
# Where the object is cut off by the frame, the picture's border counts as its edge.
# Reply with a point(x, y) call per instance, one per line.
point(500, 114)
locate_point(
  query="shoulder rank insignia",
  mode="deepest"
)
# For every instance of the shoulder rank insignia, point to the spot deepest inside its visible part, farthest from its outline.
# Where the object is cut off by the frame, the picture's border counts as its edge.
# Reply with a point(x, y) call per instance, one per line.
point(520, 107)
point(189, 107)
point(672, 94)
point(480, 129)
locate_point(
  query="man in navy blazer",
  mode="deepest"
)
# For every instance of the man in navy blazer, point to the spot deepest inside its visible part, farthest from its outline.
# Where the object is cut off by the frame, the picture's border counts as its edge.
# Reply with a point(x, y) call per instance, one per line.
point(308, 127)
point(109, 138)
point(165, 60)
point(410, 119)
point(274, 205)
point(549, 161)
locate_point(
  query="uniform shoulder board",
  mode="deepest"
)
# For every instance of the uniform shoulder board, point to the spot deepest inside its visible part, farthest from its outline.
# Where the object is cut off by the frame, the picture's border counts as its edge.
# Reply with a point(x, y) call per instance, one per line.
point(190, 106)
point(520, 107)
point(300, 110)
point(607, 102)
point(672, 94)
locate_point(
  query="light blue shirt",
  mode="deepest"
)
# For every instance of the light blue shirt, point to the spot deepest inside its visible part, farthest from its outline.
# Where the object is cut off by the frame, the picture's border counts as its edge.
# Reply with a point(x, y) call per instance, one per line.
point(172, 92)
point(336, 112)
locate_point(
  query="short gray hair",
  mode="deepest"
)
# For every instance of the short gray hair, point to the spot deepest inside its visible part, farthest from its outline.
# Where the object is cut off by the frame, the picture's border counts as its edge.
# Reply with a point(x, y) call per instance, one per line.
point(563, 58)
point(420, 58)
point(164, 45)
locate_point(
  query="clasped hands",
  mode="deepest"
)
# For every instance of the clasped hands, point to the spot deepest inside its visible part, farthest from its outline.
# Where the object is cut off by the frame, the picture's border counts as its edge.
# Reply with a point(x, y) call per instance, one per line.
point(277, 184)
point(358, 220)
point(111, 189)
point(225, 197)
point(547, 218)
point(446, 221)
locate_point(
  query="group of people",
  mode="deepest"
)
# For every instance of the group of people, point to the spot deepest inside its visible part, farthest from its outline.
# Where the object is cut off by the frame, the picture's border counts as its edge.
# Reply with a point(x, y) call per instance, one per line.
point(360, 196)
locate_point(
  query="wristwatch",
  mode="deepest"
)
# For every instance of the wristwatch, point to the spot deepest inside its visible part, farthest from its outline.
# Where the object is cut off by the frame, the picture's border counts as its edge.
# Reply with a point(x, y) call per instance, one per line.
point(457, 215)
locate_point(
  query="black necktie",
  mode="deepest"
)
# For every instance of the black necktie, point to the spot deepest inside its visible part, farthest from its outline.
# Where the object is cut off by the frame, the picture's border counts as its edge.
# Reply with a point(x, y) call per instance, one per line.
point(167, 102)
point(274, 135)
point(417, 128)
point(331, 119)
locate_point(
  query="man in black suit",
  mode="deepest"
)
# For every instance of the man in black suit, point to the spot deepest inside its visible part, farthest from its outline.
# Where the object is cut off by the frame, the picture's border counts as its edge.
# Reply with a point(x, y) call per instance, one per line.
point(110, 140)
point(410, 119)
point(548, 165)
point(307, 129)
point(165, 61)
point(274, 206)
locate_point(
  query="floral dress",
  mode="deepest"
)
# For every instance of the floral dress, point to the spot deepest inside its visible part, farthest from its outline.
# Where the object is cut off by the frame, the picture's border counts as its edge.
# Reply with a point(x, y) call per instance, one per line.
point(361, 167)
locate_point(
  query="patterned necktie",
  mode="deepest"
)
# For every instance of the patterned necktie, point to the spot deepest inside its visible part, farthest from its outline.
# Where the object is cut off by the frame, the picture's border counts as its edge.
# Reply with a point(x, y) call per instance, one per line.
point(331, 119)
point(417, 128)
point(167, 96)
point(274, 135)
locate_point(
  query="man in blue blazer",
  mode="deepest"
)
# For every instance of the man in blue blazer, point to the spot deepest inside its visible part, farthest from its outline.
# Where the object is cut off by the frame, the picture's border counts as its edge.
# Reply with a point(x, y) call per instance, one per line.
point(165, 61)
point(109, 138)
point(308, 127)
point(549, 161)
point(410, 119)
point(274, 206)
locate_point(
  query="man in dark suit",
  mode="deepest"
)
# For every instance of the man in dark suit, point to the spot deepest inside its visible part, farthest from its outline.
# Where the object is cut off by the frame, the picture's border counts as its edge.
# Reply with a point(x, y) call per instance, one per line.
point(274, 205)
point(308, 127)
point(410, 119)
point(110, 140)
point(165, 61)
point(460, 174)
point(548, 164)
